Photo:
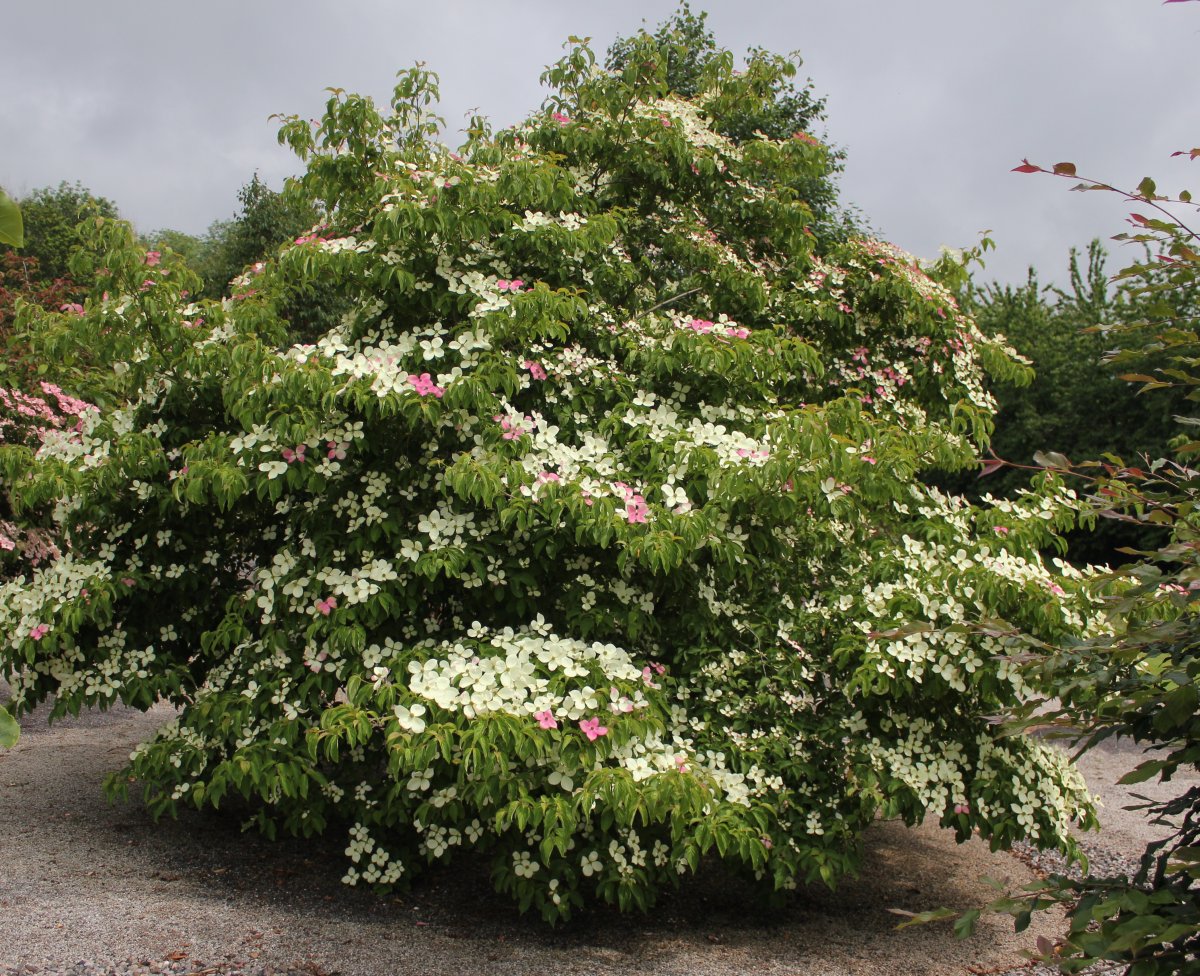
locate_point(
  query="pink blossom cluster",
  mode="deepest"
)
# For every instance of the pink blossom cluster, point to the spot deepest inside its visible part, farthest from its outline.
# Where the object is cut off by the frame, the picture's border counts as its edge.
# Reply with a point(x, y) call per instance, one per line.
point(38, 415)
point(68, 404)
point(425, 386)
point(636, 508)
point(886, 380)
point(590, 727)
point(704, 327)
point(36, 546)
point(309, 238)
point(648, 673)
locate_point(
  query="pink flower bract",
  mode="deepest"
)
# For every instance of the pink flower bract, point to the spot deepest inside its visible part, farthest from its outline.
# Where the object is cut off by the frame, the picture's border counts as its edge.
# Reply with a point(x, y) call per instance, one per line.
point(592, 728)
point(425, 386)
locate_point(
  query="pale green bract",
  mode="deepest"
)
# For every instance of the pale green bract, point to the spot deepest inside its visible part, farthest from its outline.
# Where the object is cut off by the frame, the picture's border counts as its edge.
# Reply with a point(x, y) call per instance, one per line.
point(10, 731)
point(594, 536)
point(12, 227)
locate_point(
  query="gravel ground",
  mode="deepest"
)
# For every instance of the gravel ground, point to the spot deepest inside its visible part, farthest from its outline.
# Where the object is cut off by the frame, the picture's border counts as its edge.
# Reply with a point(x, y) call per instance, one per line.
point(91, 889)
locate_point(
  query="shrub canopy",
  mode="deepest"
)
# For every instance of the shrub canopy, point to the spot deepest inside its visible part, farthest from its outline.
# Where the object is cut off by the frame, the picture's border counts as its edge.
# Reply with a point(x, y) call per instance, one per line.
point(593, 535)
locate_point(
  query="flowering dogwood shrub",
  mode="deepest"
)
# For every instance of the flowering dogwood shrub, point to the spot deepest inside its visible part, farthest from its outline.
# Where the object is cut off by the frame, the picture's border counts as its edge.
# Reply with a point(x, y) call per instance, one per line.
point(592, 537)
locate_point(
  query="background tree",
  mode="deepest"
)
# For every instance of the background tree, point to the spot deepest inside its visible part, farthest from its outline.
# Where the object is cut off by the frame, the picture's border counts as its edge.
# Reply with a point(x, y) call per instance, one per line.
point(12, 233)
point(38, 271)
point(194, 250)
point(21, 281)
point(12, 229)
point(52, 216)
point(1075, 404)
point(267, 219)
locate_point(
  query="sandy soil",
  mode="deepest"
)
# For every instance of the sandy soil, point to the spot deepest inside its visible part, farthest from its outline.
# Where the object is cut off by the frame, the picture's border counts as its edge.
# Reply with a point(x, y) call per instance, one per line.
point(83, 880)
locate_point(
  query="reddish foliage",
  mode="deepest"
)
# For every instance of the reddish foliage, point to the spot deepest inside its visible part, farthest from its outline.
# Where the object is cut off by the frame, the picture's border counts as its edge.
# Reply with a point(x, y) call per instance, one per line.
point(20, 279)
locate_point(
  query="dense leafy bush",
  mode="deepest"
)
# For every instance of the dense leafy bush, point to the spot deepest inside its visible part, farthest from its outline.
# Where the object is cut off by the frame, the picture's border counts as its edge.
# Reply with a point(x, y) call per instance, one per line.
point(592, 536)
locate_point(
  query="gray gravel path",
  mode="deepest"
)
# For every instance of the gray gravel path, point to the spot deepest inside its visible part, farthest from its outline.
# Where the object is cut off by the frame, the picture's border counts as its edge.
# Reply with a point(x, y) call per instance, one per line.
point(92, 889)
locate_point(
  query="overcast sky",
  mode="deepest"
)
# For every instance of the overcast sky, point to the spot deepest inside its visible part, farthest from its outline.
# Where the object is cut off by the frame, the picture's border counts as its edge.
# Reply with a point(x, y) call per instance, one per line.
point(164, 107)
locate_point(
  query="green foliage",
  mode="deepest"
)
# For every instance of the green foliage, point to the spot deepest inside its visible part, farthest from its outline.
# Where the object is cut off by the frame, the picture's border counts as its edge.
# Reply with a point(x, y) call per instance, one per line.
point(52, 216)
point(593, 535)
point(266, 221)
point(691, 57)
point(1065, 335)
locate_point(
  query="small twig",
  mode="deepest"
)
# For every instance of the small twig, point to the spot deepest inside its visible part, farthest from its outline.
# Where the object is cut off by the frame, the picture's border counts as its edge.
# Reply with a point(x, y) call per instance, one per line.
point(674, 298)
point(1094, 479)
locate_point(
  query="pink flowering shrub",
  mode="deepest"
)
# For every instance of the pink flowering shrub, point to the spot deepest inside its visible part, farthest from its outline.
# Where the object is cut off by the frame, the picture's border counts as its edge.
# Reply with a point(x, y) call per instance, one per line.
point(593, 536)
point(30, 420)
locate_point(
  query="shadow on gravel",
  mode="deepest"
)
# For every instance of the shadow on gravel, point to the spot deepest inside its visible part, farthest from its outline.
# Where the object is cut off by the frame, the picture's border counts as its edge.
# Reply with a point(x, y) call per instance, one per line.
point(83, 880)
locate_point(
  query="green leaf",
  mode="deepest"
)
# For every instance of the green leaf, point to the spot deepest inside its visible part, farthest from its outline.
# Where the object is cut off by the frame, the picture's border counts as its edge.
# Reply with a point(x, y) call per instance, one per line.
point(1050, 459)
point(1143, 772)
point(12, 227)
point(965, 926)
point(923, 918)
point(10, 731)
point(1178, 709)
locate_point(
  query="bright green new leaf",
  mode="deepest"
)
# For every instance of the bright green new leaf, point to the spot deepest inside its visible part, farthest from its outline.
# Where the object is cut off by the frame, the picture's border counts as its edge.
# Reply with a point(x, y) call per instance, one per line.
point(10, 731)
point(12, 227)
